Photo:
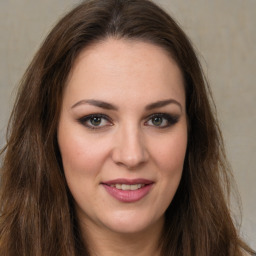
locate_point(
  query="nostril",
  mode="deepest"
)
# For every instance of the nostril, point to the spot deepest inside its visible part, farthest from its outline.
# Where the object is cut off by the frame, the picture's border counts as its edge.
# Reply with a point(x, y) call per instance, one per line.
point(129, 150)
point(129, 161)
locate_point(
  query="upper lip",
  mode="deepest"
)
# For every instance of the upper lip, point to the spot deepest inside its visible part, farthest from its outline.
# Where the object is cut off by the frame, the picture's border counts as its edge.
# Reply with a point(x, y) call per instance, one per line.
point(128, 181)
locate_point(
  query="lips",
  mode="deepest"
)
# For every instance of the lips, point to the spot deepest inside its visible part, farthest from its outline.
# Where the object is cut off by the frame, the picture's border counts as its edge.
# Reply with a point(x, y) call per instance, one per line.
point(126, 190)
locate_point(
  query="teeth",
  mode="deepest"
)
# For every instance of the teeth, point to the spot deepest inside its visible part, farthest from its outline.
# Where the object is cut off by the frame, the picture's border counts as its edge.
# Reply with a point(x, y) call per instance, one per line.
point(134, 187)
point(127, 187)
point(118, 186)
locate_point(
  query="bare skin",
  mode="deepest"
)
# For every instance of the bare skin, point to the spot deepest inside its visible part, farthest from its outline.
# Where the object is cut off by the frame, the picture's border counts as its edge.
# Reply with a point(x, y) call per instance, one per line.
point(113, 244)
point(123, 136)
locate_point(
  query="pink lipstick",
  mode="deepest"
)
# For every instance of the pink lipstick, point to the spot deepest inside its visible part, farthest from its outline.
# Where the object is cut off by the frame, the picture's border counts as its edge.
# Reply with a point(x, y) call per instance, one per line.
point(127, 190)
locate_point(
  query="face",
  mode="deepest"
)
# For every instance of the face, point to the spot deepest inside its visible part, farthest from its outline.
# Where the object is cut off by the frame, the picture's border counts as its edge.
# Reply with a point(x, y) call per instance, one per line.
point(123, 134)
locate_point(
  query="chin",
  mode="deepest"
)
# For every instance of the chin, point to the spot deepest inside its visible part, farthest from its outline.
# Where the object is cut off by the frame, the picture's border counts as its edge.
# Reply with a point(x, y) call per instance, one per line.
point(130, 223)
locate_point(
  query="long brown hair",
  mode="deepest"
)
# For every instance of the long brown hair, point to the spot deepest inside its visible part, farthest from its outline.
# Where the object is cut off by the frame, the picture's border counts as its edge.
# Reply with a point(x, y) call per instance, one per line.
point(37, 213)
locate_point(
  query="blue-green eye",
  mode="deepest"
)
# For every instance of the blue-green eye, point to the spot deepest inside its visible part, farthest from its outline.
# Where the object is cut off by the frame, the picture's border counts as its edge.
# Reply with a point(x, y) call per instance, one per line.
point(158, 121)
point(95, 121)
point(162, 120)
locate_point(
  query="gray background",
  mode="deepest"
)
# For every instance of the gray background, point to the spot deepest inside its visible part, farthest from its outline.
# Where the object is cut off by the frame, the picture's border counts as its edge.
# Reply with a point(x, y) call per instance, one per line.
point(224, 35)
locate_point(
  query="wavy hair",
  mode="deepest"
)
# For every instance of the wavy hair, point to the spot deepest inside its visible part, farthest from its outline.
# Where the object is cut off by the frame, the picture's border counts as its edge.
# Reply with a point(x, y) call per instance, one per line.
point(37, 212)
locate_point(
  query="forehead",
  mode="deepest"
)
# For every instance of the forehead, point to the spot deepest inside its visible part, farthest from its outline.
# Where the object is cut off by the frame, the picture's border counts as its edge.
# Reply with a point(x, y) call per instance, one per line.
point(127, 68)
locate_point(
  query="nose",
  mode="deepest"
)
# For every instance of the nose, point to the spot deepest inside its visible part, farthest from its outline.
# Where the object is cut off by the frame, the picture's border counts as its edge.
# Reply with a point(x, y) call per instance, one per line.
point(130, 150)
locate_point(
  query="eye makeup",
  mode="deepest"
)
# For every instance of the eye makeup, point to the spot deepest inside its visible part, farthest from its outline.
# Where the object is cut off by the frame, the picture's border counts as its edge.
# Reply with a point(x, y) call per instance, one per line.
point(155, 120)
point(95, 121)
point(162, 120)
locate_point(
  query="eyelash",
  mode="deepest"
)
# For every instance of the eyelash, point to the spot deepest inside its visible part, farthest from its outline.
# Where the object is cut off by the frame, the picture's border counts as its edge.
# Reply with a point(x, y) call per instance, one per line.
point(170, 120)
point(84, 121)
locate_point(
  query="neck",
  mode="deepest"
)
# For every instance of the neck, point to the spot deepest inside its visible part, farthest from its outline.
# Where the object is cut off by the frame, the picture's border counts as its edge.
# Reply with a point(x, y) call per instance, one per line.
point(105, 242)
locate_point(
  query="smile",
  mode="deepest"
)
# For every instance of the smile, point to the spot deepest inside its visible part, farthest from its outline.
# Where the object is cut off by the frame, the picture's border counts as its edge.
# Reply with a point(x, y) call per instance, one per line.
point(127, 187)
point(128, 191)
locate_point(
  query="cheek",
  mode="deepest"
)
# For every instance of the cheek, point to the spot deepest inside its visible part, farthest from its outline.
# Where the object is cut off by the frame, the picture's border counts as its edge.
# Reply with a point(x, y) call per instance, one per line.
point(169, 157)
point(81, 151)
point(82, 160)
point(170, 154)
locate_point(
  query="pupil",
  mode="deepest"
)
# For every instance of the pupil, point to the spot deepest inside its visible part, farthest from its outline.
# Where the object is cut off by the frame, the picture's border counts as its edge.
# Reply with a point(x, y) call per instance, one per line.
point(157, 121)
point(95, 121)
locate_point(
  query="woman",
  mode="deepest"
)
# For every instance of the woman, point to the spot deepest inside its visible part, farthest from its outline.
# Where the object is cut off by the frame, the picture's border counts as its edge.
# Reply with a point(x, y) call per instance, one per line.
point(113, 147)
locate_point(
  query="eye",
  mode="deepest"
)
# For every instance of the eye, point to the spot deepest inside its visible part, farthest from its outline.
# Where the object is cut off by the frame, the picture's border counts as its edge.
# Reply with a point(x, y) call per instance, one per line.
point(95, 121)
point(162, 120)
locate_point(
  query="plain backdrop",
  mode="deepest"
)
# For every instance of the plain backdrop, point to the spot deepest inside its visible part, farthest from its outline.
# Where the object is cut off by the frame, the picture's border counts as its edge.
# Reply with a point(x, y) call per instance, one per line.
point(224, 35)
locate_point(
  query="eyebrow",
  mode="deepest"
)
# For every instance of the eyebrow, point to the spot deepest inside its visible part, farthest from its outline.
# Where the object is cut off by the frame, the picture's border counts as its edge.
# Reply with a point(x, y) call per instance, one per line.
point(97, 103)
point(106, 105)
point(163, 103)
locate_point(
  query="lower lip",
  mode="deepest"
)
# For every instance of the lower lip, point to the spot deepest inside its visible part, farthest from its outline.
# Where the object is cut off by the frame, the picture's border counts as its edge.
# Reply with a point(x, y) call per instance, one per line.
point(128, 196)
